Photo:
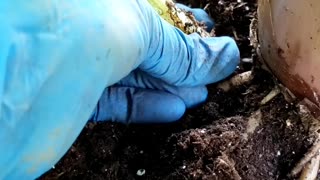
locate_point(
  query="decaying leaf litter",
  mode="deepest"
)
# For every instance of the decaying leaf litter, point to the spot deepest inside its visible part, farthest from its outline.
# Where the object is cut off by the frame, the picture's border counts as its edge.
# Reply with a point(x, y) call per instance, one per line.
point(250, 130)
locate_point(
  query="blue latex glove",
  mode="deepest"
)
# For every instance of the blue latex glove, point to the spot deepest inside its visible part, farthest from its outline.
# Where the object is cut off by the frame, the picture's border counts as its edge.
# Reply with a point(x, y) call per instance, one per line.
point(140, 98)
point(57, 57)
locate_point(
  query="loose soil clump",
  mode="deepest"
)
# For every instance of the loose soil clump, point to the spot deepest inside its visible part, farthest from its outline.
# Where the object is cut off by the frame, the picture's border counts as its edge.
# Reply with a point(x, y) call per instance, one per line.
point(231, 136)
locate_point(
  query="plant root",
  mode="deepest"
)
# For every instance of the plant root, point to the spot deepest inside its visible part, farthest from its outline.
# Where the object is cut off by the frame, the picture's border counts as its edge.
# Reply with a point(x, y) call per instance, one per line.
point(253, 122)
point(236, 81)
point(270, 96)
point(314, 150)
point(310, 162)
point(310, 171)
point(226, 164)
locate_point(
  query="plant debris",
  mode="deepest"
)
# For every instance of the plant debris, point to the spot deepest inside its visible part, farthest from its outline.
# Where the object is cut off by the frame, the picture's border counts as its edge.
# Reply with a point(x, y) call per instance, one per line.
point(180, 18)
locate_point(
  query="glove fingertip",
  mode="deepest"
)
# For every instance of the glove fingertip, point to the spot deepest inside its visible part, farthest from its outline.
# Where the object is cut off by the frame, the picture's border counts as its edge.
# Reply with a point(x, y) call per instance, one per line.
point(157, 107)
point(193, 96)
point(173, 111)
point(227, 56)
point(201, 98)
point(232, 54)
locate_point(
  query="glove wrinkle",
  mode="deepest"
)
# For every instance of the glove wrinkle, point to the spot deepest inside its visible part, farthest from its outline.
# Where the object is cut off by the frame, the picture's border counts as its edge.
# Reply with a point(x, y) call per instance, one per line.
point(137, 105)
point(191, 96)
point(130, 94)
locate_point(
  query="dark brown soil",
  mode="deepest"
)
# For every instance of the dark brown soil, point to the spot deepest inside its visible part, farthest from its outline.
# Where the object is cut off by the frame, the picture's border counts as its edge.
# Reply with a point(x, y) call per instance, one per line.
point(209, 142)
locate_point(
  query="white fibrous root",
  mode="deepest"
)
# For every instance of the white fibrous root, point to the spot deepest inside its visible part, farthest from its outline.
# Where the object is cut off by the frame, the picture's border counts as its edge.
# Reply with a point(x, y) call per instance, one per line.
point(276, 91)
point(236, 81)
point(310, 171)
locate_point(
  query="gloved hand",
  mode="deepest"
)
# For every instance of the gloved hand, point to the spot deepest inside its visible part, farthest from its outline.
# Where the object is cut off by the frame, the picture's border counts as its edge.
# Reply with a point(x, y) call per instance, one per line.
point(141, 98)
point(57, 58)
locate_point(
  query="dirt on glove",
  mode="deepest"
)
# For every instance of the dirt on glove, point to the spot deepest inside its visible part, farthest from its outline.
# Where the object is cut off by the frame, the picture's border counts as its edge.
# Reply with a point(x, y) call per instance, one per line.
point(231, 136)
